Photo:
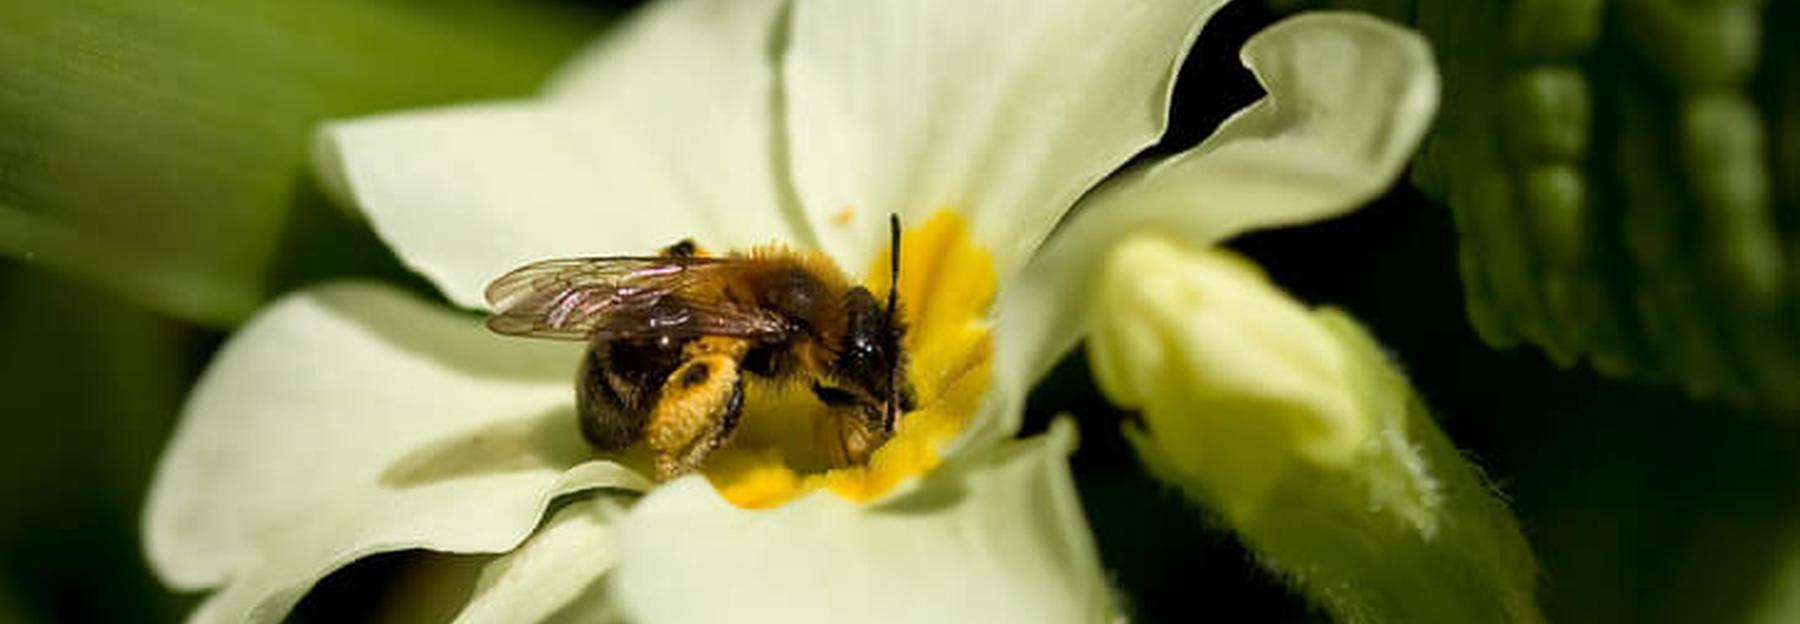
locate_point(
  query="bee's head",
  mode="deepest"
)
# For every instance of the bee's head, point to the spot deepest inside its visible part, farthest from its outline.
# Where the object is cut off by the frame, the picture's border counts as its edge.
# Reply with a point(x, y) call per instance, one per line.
point(873, 360)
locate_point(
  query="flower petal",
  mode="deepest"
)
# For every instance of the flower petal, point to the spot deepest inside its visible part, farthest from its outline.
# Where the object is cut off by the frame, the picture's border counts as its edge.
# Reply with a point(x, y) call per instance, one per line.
point(350, 420)
point(995, 538)
point(1349, 98)
point(556, 567)
point(1007, 111)
point(660, 132)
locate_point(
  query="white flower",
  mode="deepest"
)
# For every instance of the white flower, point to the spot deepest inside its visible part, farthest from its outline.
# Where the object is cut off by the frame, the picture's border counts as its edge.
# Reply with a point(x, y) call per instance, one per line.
point(351, 419)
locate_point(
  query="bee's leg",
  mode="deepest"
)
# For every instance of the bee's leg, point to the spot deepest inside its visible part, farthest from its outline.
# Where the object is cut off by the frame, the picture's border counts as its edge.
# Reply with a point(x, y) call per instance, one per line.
point(684, 248)
point(699, 408)
point(852, 428)
point(725, 424)
point(847, 437)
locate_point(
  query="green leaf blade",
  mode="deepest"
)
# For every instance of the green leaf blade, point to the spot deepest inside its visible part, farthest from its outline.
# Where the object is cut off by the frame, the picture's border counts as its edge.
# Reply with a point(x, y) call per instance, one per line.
point(159, 149)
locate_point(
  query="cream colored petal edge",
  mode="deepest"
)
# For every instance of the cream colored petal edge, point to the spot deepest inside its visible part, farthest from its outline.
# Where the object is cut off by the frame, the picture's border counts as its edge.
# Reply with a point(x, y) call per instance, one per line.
point(993, 537)
point(1350, 97)
point(1006, 110)
point(561, 562)
point(662, 130)
point(349, 420)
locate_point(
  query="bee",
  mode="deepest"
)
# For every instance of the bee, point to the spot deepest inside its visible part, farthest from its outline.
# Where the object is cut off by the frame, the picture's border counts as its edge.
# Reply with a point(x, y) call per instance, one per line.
point(674, 339)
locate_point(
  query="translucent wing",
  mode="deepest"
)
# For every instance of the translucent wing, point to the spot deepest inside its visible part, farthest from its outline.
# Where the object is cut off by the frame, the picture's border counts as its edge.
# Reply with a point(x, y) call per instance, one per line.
point(623, 296)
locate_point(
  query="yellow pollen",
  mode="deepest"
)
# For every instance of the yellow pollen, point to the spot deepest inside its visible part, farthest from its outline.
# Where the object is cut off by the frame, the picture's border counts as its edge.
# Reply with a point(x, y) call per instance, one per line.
point(946, 285)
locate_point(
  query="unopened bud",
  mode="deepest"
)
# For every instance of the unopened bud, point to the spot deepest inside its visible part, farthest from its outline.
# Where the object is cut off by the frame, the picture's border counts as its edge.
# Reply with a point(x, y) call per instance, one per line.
point(1291, 424)
point(1234, 378)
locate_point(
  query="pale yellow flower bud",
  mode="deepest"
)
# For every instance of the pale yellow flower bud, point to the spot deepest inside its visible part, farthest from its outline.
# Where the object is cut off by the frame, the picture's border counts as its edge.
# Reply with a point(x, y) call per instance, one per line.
point(1234, 378)
point(1292, 425)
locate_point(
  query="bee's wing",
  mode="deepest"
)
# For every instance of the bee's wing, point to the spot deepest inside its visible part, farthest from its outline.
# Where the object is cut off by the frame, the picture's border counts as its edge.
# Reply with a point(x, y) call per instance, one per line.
point(686, 316)
point(620, 296)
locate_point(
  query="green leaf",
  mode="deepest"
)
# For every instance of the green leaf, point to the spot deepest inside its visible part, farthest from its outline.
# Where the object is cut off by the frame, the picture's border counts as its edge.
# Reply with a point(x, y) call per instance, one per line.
point(91, 390)
point(158, 149)
point(1621, 174)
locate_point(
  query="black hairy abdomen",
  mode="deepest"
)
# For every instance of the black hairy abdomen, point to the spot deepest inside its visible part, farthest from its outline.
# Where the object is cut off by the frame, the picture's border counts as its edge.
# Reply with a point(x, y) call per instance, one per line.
point(618, 386)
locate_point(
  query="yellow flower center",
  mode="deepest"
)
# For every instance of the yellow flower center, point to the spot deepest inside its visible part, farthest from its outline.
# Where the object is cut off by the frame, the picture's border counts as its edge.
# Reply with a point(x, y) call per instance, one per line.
point(946, 284)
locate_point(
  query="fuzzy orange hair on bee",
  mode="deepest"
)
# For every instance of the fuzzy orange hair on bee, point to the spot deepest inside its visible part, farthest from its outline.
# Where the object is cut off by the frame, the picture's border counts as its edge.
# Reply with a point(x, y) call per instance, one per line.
point(673, 340)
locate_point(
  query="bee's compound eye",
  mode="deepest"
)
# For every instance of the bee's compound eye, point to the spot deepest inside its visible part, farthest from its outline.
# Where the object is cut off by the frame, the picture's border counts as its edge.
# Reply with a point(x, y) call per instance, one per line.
point(863, 344)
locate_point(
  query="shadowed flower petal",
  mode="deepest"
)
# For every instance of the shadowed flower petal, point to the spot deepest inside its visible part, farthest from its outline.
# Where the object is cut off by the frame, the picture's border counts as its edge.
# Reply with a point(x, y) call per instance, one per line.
point(564, 560)
point(1349, 98)
point(351, 420)
point(1006, 111)
point(999, 538)
point(660, 133)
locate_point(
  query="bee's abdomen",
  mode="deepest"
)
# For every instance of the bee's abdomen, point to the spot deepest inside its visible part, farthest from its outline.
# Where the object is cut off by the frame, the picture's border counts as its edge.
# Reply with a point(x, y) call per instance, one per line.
point(618, 386)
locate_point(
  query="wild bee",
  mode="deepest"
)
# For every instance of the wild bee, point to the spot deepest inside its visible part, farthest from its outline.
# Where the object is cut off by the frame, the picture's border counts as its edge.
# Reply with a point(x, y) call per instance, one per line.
point(674, 339)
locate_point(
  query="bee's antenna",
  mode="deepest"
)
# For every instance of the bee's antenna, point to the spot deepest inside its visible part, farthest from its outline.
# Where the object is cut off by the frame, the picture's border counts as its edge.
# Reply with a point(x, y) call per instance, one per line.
point(893, 299)
point(893, 261)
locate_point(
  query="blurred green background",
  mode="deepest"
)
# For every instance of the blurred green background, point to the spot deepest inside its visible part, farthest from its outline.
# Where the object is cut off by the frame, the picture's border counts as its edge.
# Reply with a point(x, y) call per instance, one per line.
point(153, 192)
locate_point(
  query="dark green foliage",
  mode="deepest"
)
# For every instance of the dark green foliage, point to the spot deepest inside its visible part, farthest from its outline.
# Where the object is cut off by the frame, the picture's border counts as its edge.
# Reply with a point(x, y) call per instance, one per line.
point(1623, 177)
point(159, 149)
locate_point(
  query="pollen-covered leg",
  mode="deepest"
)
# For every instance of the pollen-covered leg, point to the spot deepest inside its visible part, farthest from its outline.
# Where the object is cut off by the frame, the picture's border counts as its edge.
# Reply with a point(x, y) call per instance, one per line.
point(698, 411)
